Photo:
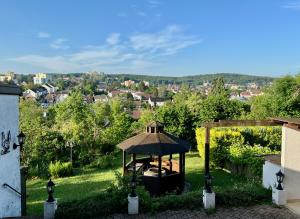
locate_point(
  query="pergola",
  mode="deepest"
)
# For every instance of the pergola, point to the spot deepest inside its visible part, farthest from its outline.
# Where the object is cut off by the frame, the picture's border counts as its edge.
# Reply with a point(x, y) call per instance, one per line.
point(158, 175)
point(237, 123)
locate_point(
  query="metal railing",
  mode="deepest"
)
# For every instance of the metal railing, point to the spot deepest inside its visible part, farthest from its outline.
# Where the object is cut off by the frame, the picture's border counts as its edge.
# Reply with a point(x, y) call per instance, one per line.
point(5, 185)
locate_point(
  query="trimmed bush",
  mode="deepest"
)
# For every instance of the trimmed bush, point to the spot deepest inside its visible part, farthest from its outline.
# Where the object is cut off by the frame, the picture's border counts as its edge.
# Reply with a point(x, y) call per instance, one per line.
point(220, 141)
point(59, 169)
point(239, 149)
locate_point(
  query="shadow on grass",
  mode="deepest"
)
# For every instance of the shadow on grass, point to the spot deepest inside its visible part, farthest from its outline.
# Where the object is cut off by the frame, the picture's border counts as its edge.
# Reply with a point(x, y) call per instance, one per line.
point(220, 178)
point(63, 192)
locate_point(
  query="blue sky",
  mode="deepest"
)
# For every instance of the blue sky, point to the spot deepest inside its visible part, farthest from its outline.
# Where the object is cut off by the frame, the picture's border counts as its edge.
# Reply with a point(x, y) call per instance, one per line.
point(155, 37)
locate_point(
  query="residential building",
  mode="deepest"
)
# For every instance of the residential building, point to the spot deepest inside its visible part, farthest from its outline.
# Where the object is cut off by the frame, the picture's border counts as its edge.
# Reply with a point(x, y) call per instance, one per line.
point(61, 96)
point(140, 96)
point(100, 98)
point(114, 93)
point(128, 83)
point(41, 78)
point(35, 92)
point(101, 86)
point(9, 76)
point(50, 88)
point(156, 101)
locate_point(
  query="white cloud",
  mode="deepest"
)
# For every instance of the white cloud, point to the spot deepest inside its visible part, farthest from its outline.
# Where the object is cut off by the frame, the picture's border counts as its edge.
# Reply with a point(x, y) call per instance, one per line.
point(59, 44)
point(292, 5)
point(113, 38)
point(139, 51)
point(43, 35)
point(154, 3)
point(56, 63)
point(166, 42)
point(141, 14)
point(122, 14)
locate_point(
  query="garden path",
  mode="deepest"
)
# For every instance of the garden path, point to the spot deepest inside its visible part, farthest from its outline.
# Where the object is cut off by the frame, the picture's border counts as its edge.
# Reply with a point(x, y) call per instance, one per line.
point(257, 212)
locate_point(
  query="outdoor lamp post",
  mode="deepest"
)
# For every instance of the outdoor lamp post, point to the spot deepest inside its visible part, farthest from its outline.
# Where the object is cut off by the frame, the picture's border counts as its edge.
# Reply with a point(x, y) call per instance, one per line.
point(71, 145)
point(208, 183)
point(50, 190)
point(133, 187)
point(21, 140)
point(280, 177)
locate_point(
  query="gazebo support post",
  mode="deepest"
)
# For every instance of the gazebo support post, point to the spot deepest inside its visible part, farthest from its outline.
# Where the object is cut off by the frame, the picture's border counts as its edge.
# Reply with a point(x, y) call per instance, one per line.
point(159, 167)
point(124, 163)
point(207, 183)
point(208, 195)
point(181, 157)
point(170, 160)
point(159, 173)
point(180, 163)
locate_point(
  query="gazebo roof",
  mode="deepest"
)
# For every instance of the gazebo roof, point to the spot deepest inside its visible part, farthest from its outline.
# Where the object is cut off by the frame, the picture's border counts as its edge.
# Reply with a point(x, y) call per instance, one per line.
point(154, 142)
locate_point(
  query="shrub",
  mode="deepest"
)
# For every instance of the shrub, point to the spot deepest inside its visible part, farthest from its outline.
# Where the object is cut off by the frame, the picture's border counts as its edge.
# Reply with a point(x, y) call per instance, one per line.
point(114, 200)
point(39, 169)
point(104, 161)
point(249, 156)
point(220, 141)
point(59, 169)
point(243, 194)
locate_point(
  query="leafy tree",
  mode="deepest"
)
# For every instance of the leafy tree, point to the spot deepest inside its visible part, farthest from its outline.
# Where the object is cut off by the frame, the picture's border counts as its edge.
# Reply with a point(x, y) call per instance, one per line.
point(281, 99)
point(75, 119)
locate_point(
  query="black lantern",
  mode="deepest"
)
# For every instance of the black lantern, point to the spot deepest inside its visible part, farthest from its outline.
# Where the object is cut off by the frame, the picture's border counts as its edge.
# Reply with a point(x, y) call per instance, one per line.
point(50, 190)
point(21, 140)
point(208, 183)
point(280, 177)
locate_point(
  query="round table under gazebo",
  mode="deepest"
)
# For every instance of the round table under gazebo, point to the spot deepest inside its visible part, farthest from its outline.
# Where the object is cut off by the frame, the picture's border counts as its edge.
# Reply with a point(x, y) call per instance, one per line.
point(158, 174)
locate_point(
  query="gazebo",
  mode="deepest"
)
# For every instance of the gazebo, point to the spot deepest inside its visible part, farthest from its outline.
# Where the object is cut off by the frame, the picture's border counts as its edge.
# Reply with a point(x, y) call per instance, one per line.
point(158, 174)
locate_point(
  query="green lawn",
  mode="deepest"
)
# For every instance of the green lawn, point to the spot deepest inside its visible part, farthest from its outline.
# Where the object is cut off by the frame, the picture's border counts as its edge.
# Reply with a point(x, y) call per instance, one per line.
point(90, 182)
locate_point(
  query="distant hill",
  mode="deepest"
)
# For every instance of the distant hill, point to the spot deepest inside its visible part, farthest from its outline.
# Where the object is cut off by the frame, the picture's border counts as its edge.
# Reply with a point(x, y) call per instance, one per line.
point(240, 79)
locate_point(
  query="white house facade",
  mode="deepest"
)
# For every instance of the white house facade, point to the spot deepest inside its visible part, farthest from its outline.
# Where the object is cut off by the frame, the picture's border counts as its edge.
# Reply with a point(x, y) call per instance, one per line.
point(10, 201)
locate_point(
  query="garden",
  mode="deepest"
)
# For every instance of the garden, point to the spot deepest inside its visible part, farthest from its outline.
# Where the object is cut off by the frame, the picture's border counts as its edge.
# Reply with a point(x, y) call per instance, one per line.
point(99, 192)
point(75, 145)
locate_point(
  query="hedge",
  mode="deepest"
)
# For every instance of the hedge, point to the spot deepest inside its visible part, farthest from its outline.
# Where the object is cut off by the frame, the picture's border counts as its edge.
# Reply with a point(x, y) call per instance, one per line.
point(240, 148)
point(114, 201)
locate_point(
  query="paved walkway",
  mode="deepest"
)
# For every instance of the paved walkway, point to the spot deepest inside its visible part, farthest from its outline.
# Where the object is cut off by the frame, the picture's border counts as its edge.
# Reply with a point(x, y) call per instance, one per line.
point(294, 206)
point(257, 212)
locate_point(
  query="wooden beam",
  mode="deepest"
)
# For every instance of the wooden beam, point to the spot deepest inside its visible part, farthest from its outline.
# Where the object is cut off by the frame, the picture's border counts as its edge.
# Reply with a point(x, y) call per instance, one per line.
point(124, 163)
point(233, 123)
point(134, 164)
point(159, 167)
point(207, 143)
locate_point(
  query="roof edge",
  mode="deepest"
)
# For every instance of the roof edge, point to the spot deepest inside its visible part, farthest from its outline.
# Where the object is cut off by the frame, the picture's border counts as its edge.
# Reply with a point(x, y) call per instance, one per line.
point(10, 89)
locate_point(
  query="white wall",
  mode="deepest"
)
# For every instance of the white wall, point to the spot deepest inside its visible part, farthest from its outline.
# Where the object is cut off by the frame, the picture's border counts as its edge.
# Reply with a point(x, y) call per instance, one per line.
point(269, 177)
point(290, 161)
point(10, 202)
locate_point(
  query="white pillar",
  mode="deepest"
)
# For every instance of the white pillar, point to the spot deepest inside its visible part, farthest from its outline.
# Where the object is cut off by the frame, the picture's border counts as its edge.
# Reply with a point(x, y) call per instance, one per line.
point(133, 205)
point(49, 209)
point(278, 196)
point(209, 200)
